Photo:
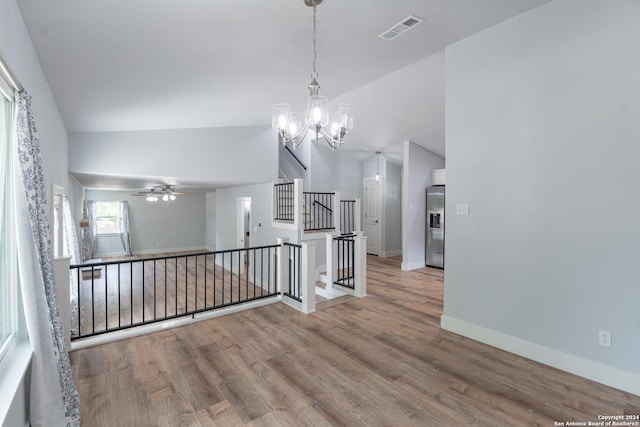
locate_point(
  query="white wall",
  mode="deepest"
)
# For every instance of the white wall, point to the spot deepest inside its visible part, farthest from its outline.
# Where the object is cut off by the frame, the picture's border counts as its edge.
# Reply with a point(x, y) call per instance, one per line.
point(156, 227)
point(543, 142)
point(210, 221)
point(18, 50)
point(332, 170)
point(199, 155)
point(261, 215)
point(416, 177)
point(392, 238)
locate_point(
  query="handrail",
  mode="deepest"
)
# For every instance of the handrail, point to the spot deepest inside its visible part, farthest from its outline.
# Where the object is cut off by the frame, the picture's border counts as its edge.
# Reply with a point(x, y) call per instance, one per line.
point(327, 208)
point(296, 157)
point(159, 258)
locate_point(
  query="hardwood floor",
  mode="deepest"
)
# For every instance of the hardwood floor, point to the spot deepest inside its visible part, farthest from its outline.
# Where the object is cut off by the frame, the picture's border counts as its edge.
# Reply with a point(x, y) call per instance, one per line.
point(375, 361)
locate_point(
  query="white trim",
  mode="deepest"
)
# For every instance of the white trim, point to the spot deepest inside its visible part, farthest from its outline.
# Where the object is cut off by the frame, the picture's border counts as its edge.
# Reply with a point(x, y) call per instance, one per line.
point(407, 266)
point(161, 326)
point(387, 254)
point(12, 371)
point(595, 371)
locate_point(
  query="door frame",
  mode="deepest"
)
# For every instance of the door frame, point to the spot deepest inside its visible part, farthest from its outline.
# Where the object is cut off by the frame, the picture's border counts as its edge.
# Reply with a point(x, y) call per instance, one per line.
point(240, 230)
point(380, 206)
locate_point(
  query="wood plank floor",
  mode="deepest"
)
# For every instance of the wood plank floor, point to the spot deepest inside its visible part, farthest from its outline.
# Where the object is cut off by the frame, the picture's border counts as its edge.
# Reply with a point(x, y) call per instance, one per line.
point(375, 361)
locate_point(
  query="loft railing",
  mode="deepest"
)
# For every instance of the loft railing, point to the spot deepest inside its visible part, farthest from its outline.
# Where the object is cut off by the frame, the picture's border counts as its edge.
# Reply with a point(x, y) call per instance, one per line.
point(318, 211)
point(293, 285)
point(345, 247)
point(111, 296)
point(284, 201)
point(346, 268)
point(348, 216)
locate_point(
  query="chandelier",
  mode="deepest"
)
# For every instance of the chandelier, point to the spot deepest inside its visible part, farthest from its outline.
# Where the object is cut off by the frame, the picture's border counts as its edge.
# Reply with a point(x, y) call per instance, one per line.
point(333, 128)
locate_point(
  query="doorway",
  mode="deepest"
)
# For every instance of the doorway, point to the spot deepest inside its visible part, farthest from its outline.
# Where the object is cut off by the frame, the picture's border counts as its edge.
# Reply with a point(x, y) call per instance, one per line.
point(372, 212)
point(243, 227)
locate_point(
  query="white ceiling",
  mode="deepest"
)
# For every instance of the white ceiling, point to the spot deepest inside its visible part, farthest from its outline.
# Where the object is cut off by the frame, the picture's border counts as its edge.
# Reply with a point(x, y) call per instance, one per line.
point(160, 64)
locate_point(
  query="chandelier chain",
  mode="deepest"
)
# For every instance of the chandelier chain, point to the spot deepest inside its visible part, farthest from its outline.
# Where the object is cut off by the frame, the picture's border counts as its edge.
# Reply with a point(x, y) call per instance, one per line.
point(314, 72)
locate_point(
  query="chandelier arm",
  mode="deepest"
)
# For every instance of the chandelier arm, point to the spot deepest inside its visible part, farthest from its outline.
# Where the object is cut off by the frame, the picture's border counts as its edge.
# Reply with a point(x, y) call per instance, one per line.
point(333, 142)
point(295, 139)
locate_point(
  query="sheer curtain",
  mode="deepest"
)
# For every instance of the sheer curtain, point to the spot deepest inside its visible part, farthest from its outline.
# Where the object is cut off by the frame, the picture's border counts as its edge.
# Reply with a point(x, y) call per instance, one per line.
point(73, 249)
point(125, 236)
point(54, 397)
point(89, 234)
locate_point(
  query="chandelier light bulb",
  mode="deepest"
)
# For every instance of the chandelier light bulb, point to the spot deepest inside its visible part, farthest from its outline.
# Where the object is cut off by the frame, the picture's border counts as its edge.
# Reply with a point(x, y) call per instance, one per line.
point(282, 122)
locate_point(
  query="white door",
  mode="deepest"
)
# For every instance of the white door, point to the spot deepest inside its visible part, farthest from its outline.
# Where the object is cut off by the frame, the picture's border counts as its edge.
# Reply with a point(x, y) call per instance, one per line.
point(371, 213)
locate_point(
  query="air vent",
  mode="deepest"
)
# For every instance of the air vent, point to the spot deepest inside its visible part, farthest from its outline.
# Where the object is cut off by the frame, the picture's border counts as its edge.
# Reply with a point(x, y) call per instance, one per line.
point(401, 27)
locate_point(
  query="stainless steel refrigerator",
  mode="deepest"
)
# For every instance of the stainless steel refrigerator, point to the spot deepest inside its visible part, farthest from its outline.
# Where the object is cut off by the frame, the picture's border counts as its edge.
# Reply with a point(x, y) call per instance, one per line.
point(434, 238)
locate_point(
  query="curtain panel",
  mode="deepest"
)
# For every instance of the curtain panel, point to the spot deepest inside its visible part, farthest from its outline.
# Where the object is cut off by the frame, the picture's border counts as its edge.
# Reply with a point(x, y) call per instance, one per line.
point(125, 236)
point(89, 234)
point(54, 399)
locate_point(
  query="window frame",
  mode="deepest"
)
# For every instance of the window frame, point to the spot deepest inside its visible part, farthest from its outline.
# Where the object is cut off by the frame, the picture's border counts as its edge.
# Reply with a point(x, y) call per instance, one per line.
point(9, 275)
point(116, 217)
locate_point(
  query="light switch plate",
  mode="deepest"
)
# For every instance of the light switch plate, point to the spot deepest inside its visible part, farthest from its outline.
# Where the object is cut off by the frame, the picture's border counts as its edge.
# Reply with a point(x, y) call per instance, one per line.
point(462, 209)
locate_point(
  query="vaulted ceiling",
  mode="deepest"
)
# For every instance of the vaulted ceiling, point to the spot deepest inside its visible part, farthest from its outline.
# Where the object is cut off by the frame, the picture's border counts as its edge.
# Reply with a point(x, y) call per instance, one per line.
point(160, 64)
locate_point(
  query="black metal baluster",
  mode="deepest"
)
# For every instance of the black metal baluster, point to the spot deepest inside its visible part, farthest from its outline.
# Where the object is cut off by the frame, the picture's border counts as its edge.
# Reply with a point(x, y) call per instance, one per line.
point(106, 297)
point(222, 278)
point(155, 292)
point(144, 302)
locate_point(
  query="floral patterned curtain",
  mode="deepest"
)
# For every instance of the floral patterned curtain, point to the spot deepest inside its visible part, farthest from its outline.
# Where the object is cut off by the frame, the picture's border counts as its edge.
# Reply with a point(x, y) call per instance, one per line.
point(54, 397)
point(89, 234)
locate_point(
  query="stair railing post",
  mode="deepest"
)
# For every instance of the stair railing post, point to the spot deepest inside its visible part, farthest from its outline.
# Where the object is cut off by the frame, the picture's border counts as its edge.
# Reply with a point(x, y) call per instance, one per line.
point(336, 211)
point(297, 204)
point(357, 215)
point(308, 286)
point(360, 267)
point(282, 266)
point(331, 264)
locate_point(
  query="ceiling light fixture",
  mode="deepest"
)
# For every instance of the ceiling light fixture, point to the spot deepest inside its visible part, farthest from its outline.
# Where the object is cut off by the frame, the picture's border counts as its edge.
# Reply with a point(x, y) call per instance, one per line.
point(377, 176)
point(151, 197)
point(332, 128)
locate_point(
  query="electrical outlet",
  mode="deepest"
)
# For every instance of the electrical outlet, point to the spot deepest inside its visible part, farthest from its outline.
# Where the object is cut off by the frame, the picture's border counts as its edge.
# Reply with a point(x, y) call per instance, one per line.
point(604, 338)
point(462, 209)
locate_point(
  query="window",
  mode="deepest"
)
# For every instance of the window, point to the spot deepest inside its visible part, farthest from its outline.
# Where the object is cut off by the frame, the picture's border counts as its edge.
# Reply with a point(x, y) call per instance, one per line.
point(8, 262)
point(107, 218)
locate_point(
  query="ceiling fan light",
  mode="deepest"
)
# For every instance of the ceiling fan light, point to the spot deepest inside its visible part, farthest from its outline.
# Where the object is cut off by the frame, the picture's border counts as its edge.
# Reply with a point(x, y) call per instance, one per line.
point(165, 198)
point(172, 197)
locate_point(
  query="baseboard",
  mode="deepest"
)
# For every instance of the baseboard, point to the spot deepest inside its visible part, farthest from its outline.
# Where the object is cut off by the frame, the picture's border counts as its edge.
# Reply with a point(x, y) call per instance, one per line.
point(595, 371)
point(169, 250)
point(388, 254)
point(406, 266)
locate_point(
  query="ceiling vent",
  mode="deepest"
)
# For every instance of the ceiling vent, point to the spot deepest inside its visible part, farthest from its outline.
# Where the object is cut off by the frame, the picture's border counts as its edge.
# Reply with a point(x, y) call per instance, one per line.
point(400, 28)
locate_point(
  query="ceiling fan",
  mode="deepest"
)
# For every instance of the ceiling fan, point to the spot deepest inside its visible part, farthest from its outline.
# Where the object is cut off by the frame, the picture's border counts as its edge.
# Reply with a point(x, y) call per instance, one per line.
point(167, 193)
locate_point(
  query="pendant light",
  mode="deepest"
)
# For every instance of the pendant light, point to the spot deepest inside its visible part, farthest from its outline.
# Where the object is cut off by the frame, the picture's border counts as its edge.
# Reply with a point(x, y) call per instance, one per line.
point(377, 175)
